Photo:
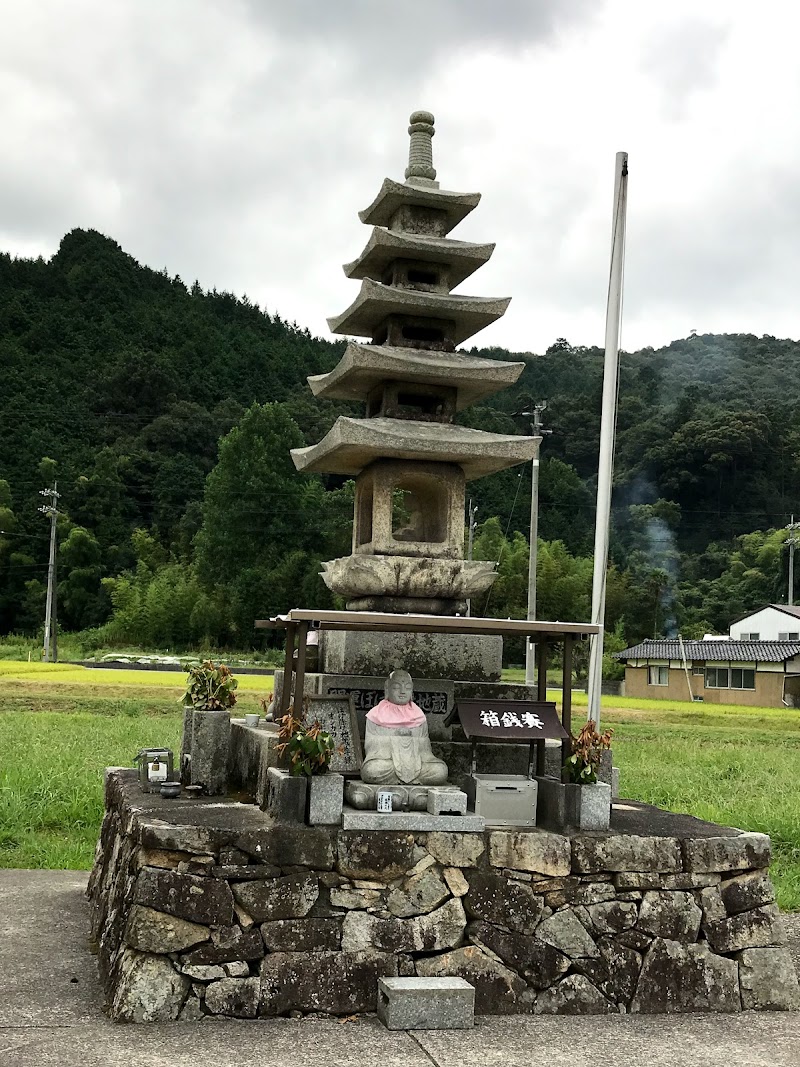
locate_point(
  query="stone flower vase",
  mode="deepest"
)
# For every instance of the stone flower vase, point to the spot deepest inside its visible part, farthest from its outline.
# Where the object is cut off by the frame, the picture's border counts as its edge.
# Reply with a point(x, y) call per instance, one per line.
point(324, 799)
point(588, 807)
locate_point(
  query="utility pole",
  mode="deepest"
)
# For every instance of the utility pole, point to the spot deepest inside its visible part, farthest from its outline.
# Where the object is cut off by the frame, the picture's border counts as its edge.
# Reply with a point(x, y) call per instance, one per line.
point(792, 540)
point(472, 511)
point(50, 617)
point(538, 432)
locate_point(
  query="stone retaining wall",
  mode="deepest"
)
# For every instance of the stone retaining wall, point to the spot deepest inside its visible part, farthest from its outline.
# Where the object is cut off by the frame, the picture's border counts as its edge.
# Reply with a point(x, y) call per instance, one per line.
point(207, 908)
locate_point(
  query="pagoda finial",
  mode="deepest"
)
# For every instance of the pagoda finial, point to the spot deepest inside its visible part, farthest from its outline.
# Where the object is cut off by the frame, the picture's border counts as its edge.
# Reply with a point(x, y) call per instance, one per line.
point(420, 151)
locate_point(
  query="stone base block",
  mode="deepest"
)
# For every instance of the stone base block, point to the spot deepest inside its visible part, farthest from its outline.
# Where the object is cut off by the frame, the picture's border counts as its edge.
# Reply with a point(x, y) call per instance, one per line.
point(325, 799)
point(286, 796)
point(364, 796)
point(426, 1003)
point(583, 807)
point(467, 657)
point(446, 801)
point(415, 821)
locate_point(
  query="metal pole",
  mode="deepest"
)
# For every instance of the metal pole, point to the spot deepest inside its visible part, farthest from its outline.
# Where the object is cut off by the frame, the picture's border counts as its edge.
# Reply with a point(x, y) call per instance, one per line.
point(608, 421)
point(791, 541)
point(50, 637)
point(471, 513)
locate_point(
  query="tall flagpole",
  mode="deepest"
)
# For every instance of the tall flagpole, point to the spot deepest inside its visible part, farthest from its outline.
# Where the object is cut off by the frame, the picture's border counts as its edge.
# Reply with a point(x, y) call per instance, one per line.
point(608, 426)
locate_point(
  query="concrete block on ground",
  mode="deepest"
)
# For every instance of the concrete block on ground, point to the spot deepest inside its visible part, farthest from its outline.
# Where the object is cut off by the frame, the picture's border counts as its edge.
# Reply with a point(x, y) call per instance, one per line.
point(211, 732)
point(325, 799)
point(426, 1003)
point(446, 801)
point(285, 798)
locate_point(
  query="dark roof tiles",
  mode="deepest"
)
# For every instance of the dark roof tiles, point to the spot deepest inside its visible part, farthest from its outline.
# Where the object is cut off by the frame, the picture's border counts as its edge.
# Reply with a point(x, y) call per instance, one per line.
point(735, 651)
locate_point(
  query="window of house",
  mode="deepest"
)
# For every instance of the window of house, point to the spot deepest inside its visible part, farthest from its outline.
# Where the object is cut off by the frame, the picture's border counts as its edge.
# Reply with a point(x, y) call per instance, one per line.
point(750, 637)
point(789, 636)
point(698, 669)
point(658, 676)
point(743, 678)
point(718, 678)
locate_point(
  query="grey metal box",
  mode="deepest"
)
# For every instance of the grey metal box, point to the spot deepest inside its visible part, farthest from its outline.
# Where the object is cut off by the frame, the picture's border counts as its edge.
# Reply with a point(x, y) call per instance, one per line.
point(503, 799)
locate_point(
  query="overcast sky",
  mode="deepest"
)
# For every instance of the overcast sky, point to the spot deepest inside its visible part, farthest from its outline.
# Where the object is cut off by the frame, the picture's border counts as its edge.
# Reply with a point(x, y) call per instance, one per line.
point(233, 142)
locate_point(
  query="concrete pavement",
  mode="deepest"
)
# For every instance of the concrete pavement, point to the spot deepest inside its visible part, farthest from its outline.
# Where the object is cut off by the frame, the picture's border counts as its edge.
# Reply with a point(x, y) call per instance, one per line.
point(51, 1014)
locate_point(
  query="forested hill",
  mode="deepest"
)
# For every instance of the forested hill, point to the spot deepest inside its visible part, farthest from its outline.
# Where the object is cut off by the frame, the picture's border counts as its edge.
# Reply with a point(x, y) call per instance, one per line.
point(120, 381)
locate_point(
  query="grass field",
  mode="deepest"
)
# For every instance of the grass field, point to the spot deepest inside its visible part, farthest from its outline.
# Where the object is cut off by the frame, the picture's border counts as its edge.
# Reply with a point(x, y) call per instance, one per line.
point(60, 726)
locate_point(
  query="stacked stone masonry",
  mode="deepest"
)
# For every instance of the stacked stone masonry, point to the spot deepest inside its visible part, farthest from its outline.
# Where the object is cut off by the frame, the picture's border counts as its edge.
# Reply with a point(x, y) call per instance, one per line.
point(230, 915)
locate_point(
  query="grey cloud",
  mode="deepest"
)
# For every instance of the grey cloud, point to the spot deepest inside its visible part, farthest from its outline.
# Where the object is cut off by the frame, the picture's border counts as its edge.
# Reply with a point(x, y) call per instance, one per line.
point(682, 60)
point(737, 251)
point(410, 33)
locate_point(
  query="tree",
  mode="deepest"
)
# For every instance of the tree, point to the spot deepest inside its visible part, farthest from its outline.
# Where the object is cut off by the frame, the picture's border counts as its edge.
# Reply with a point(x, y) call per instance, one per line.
point(82, 600)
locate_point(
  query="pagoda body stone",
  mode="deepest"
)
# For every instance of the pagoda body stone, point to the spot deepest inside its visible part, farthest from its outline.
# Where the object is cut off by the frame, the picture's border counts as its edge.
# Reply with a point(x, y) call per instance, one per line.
point(410, 459)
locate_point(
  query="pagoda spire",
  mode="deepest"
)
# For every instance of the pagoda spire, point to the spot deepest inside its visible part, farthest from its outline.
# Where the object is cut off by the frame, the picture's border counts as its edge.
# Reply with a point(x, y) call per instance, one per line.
point(420, 167)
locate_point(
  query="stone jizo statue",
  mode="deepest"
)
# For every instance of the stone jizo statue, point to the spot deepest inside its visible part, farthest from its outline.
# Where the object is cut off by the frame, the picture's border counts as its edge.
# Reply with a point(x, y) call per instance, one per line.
point(397, 751)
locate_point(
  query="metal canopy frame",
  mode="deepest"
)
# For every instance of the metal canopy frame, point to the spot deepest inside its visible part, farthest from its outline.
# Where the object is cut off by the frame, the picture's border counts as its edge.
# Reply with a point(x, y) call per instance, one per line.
point(299, 621)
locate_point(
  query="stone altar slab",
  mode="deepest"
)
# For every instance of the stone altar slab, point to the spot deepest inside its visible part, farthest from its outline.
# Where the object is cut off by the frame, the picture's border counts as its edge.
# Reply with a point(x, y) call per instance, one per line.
point(415, 821)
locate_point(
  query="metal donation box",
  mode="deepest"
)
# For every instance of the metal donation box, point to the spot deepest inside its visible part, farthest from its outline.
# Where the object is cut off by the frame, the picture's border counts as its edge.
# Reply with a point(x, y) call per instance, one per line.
point(507, 799)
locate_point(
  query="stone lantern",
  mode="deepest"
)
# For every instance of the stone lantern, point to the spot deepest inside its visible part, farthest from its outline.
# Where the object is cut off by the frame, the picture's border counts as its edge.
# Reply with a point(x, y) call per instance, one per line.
point(409, 457)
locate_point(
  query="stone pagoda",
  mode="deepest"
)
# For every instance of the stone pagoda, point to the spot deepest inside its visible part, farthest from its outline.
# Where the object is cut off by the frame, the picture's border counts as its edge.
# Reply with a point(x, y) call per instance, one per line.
point(409, 457)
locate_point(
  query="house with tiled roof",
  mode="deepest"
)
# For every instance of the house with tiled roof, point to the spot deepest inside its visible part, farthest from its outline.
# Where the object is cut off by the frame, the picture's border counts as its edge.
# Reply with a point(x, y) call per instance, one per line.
point(757, 662)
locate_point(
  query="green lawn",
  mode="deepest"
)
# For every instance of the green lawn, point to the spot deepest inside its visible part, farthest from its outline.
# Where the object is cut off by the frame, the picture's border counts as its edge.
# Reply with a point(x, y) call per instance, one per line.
point(60, 726)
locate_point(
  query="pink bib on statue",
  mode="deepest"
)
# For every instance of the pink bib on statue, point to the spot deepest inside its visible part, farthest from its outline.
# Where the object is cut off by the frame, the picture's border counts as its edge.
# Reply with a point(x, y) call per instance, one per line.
point(388, 714)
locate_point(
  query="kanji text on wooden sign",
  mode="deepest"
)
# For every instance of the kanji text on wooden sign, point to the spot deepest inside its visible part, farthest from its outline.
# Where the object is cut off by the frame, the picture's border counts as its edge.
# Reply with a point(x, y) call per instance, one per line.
point(510, 720)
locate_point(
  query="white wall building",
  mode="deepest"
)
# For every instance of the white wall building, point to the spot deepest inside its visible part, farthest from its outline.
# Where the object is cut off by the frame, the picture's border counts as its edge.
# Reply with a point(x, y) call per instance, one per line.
point(775, 622)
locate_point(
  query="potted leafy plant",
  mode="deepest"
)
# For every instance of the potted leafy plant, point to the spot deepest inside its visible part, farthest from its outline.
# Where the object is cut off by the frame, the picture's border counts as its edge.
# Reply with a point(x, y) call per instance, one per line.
point(587, 801)
point(210, 687)
point(308, 750)
point(210, 693)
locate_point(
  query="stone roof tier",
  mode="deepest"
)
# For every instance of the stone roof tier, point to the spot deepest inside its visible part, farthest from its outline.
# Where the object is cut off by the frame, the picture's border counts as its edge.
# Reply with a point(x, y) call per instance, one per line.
point(394, 195)
point(352, 444)
point(375, 302)
point(385, 246)
point(714, 651)
point(363, 367)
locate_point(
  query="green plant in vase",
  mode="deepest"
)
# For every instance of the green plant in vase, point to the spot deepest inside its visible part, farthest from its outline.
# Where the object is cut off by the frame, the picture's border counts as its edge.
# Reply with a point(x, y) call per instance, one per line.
point(586, 752)
point(210, 687)
point(308, 749)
